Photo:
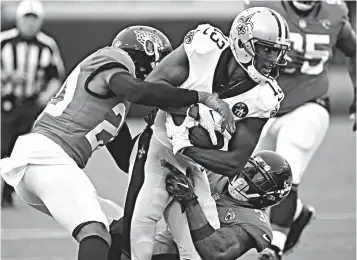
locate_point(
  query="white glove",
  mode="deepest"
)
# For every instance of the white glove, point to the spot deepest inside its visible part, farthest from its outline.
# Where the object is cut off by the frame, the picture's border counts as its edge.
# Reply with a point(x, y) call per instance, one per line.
point(179, 134)
point(211, 121)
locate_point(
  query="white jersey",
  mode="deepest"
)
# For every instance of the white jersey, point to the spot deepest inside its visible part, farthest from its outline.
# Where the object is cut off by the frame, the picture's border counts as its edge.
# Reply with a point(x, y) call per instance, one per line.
point(204, 47)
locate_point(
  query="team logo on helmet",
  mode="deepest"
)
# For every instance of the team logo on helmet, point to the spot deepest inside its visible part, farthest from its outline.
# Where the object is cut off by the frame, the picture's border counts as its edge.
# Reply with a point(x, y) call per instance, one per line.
point(244, 23)
point(151, 42)
point(189, 36)
point(230, 215)
point(285, 191)
point(240, 109)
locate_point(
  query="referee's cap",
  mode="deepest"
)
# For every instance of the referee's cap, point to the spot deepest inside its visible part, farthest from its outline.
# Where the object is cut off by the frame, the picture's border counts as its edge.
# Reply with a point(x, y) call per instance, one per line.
point(30, 7)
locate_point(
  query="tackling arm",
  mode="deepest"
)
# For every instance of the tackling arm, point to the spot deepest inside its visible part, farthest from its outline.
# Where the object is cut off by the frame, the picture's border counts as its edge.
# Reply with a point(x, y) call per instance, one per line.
point(224, 243)
point(241, 146)
point(158, 89)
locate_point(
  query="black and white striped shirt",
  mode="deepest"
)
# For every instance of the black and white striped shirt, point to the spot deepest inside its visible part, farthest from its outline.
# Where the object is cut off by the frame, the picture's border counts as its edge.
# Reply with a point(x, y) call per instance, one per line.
point(36, 61)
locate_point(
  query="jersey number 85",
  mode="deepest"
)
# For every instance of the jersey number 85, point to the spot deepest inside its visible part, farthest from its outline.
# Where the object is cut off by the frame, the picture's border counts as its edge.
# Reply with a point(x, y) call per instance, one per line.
point(310, 52)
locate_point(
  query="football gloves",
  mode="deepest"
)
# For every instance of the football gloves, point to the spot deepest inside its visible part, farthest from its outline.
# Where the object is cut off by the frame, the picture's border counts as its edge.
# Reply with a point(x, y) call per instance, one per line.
point(179, 134)
point(180, 186)
point(211, 121)
point(214, 102)
point(353, 111)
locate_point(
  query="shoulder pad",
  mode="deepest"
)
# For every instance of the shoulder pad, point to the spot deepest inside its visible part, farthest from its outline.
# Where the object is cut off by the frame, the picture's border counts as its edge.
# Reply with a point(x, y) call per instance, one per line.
point(336, 11)
point(199, 41)
point(271, 96)
point(112, 54)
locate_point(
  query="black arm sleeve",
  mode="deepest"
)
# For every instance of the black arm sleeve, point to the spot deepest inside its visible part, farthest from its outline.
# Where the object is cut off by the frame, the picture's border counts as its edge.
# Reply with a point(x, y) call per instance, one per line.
point(120, 148)
point(159, 95)
point(346, 41)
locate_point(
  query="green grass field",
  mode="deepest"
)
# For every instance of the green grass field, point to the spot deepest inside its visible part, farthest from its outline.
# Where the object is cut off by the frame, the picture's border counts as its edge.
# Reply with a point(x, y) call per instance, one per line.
point(329, 184)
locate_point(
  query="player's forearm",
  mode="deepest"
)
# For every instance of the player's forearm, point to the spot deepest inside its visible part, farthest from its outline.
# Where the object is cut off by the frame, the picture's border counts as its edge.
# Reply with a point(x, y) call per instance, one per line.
point(224, 163)
point(210, 243)
point(156, 94)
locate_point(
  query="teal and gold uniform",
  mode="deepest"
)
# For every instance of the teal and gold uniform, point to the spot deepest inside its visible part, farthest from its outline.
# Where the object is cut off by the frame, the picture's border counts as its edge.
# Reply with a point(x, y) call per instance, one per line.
point(78, 119)
point(232, 212)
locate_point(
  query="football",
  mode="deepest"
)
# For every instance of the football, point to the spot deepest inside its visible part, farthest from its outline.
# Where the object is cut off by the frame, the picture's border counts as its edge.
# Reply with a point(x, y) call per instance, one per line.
point(199, 136)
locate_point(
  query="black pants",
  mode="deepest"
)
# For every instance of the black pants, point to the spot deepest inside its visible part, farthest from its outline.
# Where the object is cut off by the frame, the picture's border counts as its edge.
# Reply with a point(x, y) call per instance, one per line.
point(120, 149)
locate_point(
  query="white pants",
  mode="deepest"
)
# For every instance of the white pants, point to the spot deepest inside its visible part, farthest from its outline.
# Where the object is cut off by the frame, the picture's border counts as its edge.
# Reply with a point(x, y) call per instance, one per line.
point(153, 201)
point(296, 136)
point(46, 178)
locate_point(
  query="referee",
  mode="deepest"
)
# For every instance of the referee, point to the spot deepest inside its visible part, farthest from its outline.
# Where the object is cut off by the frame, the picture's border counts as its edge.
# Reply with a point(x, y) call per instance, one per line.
point(31, 73)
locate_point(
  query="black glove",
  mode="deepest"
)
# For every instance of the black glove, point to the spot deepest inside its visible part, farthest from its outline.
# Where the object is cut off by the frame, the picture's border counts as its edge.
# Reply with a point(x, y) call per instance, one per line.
point(180, 186)
point(353, 111)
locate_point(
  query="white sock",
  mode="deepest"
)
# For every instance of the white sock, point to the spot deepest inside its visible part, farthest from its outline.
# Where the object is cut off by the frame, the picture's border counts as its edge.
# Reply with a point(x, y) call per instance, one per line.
point(279, 239)
point(298, 209)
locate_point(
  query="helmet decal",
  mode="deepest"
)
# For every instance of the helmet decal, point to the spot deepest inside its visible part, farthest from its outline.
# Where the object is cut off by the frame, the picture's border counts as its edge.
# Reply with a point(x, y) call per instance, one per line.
point(244, 23)
point(151, 42)
point(262, 163)
point(285, 191)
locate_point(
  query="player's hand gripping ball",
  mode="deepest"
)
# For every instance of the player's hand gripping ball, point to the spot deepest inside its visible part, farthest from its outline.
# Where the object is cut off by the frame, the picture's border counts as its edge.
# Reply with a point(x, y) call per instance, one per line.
point(198, 135)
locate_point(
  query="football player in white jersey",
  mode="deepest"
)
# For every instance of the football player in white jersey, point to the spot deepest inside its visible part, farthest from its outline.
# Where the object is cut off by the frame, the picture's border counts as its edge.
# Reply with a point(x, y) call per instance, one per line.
point(241, 69)
point(45, 167)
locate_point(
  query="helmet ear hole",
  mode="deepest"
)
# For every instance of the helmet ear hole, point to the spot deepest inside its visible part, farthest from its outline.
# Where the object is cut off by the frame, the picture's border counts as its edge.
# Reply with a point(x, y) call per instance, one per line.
point(240, 43)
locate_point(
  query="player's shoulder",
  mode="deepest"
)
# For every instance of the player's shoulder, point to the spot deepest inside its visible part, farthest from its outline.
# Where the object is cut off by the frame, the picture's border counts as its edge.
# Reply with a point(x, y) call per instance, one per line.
point(256, 223)
point(9, 34)
point(202, 39)
point(47, 40)
point(333, 10)
point(270, 95)
point(111, 55)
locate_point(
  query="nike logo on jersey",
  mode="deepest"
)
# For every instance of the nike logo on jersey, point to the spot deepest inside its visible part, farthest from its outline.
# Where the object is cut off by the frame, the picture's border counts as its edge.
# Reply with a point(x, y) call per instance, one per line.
point(183, 185)
point(280, 98)
point(266, 237)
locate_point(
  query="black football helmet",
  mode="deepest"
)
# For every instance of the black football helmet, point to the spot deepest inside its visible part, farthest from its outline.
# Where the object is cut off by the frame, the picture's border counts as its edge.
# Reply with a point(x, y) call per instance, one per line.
point(265, 181)
point(146, 46)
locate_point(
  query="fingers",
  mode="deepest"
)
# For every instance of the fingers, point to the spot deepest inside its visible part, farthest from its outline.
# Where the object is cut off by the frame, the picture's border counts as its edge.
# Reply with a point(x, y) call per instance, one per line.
point(212, 135)
point(170, 167)
point(227, 135)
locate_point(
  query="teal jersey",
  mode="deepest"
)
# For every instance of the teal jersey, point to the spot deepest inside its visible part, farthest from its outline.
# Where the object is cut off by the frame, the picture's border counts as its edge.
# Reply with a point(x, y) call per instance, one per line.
point(232, 212)
point(78, 119)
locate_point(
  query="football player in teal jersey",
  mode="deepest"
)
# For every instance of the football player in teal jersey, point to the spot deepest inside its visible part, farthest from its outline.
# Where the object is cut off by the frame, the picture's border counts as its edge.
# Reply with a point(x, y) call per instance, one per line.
point(45, 167)
point(317, 28)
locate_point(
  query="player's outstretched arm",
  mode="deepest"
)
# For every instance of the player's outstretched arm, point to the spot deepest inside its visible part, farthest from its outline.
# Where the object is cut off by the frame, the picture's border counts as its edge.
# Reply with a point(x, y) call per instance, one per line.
point(225, 243)
point(241, 146)
point(158, 88)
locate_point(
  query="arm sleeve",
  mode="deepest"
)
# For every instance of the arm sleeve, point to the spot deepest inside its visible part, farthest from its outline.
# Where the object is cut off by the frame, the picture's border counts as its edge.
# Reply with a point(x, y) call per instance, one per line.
point(160, 95)
point(346, 40)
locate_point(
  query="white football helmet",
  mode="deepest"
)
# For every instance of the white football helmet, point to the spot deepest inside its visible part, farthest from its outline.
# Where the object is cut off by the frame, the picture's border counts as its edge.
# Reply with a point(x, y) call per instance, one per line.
point(264, 26)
